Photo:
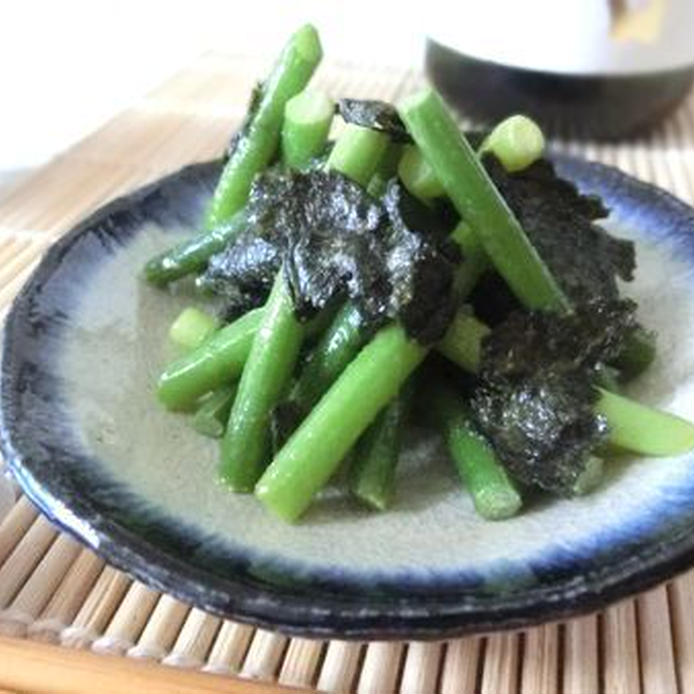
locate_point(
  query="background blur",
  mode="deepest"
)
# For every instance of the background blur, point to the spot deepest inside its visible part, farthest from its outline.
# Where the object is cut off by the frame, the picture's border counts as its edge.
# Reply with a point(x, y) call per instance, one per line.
point(67, 66)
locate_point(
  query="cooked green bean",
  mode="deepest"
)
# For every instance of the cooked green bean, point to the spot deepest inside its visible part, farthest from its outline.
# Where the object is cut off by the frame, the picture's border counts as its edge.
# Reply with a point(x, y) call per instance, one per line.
point(314, 451)
point(192, 328)
point(270, 362)
point(336, 348)
point(357, 152)
point(375, 456)
point(643, 429)
point(516, 142)
point(218, 360)
point(475, 197)
point(307, 119)
point(258, 144)
point(417, 175)
point(192, 255)
point(210, 419)
point(493, 493)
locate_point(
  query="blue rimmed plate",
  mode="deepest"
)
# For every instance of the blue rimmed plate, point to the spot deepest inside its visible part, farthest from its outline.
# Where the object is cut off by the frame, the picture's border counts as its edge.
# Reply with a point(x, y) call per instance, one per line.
point(83, 434)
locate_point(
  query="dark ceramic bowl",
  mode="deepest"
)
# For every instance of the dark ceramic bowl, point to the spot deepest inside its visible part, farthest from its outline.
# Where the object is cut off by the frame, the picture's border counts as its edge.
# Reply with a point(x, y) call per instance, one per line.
point(566, 105)
point(85, 438)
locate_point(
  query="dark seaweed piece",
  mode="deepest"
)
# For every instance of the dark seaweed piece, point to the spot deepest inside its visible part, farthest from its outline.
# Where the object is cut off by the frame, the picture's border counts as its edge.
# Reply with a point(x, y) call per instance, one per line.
point(535, 394)
point(332, 238)
point(420, 263)
point(374, 114)
point(559, 222)
point(492, 300)
point(253, 104)
point(241, 275)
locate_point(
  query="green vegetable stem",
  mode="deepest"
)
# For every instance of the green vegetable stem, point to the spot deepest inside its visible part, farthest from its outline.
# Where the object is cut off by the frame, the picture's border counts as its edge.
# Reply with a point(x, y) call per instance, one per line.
point(273, 354)
point(218, 360)
point(258, 143)
point(478, 202)
point(493, 493)
point(191, 328)
point(192, 255)
point(307, 119)
point(516, 142)
point(376, 454)
point(211, 417)
point(314, 451)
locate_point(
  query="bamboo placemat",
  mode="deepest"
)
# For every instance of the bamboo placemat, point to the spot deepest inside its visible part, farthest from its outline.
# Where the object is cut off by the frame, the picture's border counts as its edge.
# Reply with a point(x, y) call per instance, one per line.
point(52, 591)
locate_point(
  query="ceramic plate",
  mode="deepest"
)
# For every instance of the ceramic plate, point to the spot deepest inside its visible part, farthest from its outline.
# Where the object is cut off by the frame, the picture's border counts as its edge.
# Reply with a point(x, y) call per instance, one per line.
point(83, 434)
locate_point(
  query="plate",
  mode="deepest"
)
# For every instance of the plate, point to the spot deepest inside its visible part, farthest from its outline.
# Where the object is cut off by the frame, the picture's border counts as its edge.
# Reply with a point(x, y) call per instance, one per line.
point(80, 428)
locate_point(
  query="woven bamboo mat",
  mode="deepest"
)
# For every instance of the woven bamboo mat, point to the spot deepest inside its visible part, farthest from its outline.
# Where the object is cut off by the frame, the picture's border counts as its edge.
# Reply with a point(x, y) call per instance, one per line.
point(54, 591)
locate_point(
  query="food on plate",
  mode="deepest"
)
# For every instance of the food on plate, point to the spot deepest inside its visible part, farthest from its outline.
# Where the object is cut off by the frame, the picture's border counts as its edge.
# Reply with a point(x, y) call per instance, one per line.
point(404, 272)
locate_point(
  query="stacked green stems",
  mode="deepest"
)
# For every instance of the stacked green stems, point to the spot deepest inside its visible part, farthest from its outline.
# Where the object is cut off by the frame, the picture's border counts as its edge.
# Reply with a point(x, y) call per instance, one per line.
point(307, 120)
point(210, 419)
point(387, 168)
point(339, 344)
point(375, 456)
point(271, 360)
point(218, 360)
point(633, 426)
point(275, 348)
point(493, 493)
point(476, 199)
point(258, 143)
point(192, 255)
point(191, 328)
point(314, 451)
point(373, 378)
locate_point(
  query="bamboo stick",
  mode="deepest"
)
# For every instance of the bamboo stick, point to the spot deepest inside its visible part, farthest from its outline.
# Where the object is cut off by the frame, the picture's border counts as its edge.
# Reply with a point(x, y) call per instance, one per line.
point(39, 587)
point(656, 654)
point(682, 602)
point(24, 558)
point(381, 668)
point(460, 666)
point(621, 649)
point(97, 610)
point(264, 655)
point(14, 526)
point(48, 669)
point(541, 660)
point(500, 668)
point(581, 655)
point(194, 641)
point(421, 669)
point(161, 630)
point(230, 648)
point(128, 621)
point(300, 666)
point(340, 666)
point(68, 598)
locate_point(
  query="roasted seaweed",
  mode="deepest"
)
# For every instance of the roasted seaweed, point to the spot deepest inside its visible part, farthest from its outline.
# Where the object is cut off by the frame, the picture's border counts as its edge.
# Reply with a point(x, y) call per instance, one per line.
point(560, 222)
point(391, 257)
point(377, 115)
point(534, 398)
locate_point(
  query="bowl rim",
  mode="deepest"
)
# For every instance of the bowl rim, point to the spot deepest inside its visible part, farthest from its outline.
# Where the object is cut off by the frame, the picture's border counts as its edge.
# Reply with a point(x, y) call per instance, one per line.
point(301, 613)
